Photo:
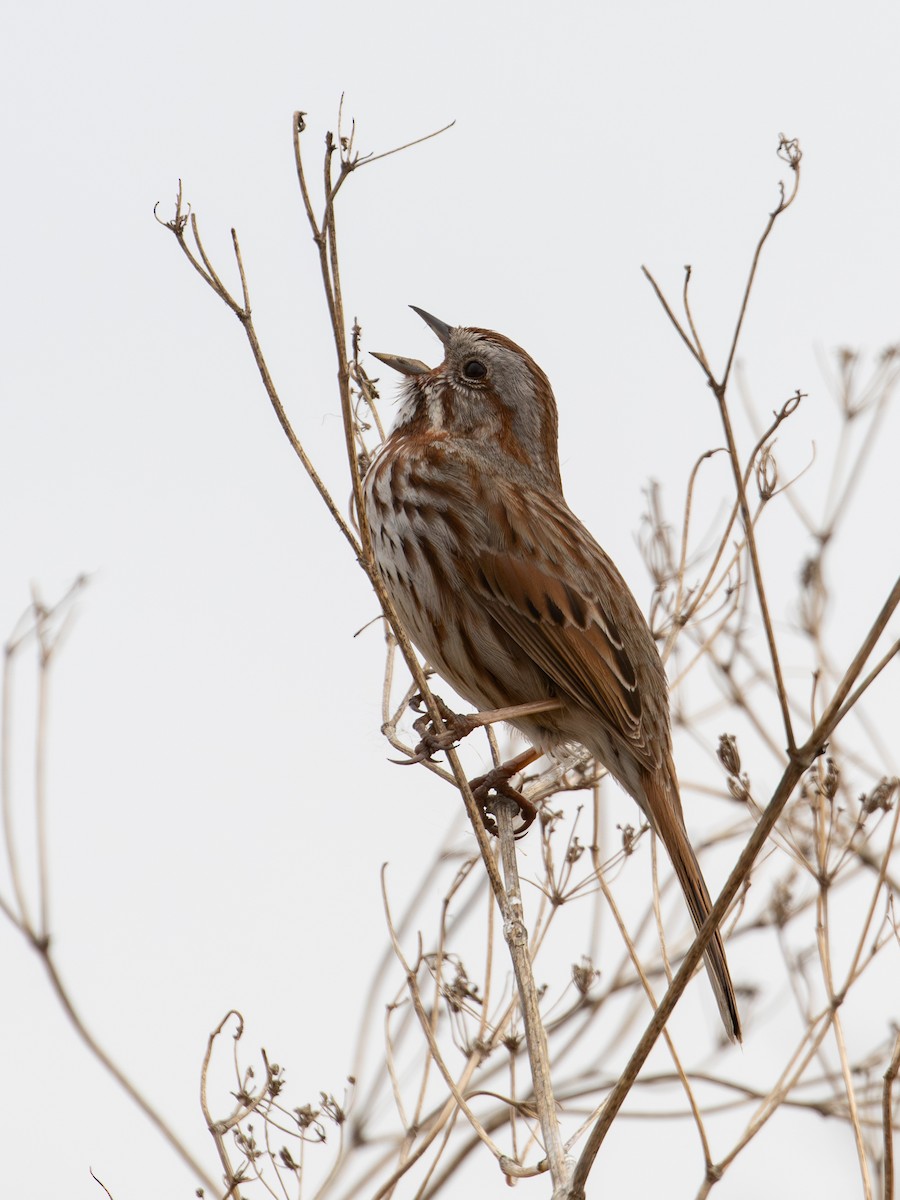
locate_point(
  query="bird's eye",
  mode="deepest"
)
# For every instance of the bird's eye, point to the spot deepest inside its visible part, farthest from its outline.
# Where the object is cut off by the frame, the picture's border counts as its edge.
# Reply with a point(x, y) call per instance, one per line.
point(474, 369)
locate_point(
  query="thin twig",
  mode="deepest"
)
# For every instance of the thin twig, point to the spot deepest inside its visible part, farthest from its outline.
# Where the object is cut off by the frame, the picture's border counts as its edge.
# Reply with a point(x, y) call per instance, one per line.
point(800, 761)
point(154, 1117)
point(423, 1130)
point(425, 1025)
point(887, 1116)
point(369, 159)
point(789, 151)
point(761, 595)
point(516, 934)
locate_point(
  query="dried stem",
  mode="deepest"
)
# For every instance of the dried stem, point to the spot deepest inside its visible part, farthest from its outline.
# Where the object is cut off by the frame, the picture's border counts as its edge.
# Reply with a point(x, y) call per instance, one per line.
point(152, 1115)
point(47, 625)
point(455, 1076)
point(714, 615)
point(789, 151)
point(802, 758)
point(516, 935)
point(887, 1111)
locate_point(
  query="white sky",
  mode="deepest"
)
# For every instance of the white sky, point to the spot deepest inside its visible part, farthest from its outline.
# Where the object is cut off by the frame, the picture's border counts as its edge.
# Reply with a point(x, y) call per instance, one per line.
point(220, 800)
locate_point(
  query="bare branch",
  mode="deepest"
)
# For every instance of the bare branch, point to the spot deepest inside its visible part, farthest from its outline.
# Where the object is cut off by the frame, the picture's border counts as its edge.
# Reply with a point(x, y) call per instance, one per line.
point(516, 935)
point(888, 1120)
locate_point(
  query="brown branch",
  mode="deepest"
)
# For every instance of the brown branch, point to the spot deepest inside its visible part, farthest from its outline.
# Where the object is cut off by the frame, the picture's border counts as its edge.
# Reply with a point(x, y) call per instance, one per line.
point(789, 151)
point(373, 158)
point(422, 1130)
point(243, 312)
point(683, 975)
point(800, 761)
point(326, 240)
point(426, 1027)
point(887, 1117)
point(852, 700)
point(768, 625)
point(516, 934)
point(153, 1116)
point(686, 303)
point(837, 708)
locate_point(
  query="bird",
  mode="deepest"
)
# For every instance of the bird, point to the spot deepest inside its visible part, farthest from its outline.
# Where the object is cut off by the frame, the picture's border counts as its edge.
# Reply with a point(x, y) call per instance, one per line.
point(508, 596)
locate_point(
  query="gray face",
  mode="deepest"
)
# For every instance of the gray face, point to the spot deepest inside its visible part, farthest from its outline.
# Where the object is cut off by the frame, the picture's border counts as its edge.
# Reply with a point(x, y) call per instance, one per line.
point(486, 390)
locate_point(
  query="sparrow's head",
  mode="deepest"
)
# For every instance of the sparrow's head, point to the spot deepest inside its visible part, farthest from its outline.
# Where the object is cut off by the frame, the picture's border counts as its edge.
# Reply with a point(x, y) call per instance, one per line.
point(487, 390)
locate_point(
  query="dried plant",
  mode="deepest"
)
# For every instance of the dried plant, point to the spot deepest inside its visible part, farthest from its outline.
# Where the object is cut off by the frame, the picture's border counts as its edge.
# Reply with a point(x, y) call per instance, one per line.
point(496, 1040)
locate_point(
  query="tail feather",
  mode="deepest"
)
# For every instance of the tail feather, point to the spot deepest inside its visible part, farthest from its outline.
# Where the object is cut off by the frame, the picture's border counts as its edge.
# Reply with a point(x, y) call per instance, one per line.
point(663, 807)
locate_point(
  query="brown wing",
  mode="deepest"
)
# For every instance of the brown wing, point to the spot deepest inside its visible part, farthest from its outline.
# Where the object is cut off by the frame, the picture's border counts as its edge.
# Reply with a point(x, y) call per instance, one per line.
point(560, 598)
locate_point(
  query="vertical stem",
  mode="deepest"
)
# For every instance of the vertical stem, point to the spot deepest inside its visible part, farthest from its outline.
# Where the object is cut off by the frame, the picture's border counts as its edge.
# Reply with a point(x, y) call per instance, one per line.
point(538, 1054)
point(757, 569)
point(789, 780)
point(40, 793)
point(887, 1116)
point(21, 917)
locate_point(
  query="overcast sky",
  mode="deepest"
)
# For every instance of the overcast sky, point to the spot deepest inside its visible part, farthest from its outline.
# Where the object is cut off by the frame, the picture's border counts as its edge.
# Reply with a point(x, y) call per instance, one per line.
point(219, 796)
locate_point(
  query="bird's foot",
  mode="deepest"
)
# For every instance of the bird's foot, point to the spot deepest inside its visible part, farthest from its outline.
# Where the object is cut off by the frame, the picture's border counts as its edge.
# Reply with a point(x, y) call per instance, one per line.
point(457, 726)
point(486, 789)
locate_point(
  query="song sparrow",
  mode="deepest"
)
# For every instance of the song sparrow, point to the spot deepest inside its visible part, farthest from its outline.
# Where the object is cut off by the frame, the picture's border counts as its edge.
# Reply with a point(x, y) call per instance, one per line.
point(506, 593)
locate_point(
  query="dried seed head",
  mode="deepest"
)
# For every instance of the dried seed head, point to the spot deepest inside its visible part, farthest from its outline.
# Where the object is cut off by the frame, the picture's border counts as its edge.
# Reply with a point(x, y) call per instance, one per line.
point(584, 974)
point(830, 780)
point(628, 837)
point(780, 905)
point(728, 753)
point(575, 851)
point(766, 473)
point(789, 151)
point(305, 1115)
point(881, 797)
point(461, 992)
point(332, 1109)
point(813, 594)
point(739, 788)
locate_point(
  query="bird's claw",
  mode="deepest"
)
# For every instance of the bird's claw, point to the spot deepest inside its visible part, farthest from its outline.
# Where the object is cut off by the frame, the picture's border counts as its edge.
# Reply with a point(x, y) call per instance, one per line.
point(486, 789)
point(457, 725)
point(495, 784)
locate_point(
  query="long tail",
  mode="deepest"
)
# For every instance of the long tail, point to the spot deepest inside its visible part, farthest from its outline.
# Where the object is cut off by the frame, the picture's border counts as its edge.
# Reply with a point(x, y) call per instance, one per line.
point(663, 807)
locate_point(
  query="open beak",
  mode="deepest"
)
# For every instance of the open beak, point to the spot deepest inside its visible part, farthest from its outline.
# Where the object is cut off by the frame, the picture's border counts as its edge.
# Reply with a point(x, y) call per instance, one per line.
point(406, 366)
point(415, 366)
point(441, 328)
